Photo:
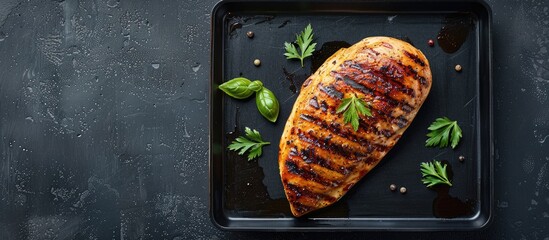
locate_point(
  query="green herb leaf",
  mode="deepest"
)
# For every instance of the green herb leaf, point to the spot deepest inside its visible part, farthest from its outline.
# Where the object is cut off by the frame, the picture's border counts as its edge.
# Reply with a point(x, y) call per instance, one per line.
point(267, 104)
point(253, 134)
point(353, 106)
point(443, 132)
point(255, 85)
point(252, 143)
point(291, 51)
point(237, 88)
point(241, 88)
point(305, 43)
point(434, 173)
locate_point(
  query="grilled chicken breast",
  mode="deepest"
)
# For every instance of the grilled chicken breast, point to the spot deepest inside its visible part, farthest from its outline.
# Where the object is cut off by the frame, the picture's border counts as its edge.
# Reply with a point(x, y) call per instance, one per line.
point(320, 156)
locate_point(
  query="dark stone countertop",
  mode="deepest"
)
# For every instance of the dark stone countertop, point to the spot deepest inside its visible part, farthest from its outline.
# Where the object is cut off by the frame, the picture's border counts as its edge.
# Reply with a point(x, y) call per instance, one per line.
point(104, 130)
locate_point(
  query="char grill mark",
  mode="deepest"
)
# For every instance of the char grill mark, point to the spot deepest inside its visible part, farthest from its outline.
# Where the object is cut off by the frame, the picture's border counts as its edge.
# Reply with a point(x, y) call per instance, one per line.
point(383, 109)
point(406, 69)
point(357, 86)
point(324, 106)
point(410, 71)
point(298, 206)
point(331, 91)
point(401, 121)
point(366, 123)
point(423, 81)
point(414, 58)
point(388, 79)
point(304, 193)
point(340, 131)
point(387, 45)
point(309, 156)
point(336, 129)
point(322, 158)
point(331, 147)
point(314, 103)
point(351, 154)
point(307, 173)
point(359, 83)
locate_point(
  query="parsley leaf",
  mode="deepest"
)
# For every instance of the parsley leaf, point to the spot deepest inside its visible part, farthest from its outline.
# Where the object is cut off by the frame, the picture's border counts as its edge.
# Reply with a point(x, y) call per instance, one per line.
point(352, 107)
point(434, 173)
point(252, 143)
point(305, 43)
point(443, 132)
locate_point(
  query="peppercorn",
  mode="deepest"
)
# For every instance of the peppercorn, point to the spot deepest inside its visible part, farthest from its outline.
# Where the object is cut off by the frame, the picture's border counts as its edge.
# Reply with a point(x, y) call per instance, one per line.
point(431, 42)
point(250, 34)
point(461, 158)
point(257, 62)
point(458, 68)
point(402, 190)
point(393, 187)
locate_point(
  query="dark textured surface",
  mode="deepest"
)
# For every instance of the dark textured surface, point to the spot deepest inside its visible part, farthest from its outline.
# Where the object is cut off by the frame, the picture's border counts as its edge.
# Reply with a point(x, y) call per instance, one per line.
point(103, 122)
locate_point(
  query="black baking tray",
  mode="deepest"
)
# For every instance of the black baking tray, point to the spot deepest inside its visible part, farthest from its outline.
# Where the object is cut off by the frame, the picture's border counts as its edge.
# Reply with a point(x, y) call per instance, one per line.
point(248, 195)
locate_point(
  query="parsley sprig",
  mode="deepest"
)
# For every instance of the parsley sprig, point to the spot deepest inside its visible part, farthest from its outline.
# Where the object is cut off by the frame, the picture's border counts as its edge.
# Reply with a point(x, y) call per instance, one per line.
point(443, 131)
point(305, 43)
point(352, 107)
point(434, 173)
point(252, 143)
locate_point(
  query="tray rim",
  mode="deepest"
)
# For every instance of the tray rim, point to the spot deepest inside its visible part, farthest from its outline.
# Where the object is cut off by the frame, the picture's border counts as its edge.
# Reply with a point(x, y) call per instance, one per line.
point(481, 220)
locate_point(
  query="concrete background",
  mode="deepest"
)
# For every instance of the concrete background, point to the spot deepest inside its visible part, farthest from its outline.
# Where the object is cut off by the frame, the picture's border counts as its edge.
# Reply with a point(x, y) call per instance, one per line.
point(84, 86)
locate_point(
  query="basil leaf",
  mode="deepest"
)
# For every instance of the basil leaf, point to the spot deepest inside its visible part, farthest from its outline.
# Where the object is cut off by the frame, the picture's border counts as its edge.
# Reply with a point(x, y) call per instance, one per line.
point(267, 104)
point(255, 85)
point(237, 88)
